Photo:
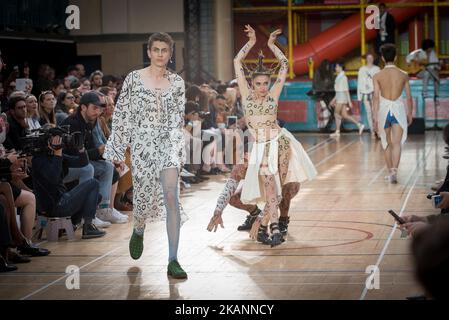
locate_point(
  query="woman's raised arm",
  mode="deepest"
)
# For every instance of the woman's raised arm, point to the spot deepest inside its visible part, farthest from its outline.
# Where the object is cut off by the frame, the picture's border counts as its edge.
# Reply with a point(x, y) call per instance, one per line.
point(238, 67)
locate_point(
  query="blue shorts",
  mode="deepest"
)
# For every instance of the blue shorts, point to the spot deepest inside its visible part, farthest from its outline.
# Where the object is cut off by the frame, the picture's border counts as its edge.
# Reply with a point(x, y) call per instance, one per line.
point(391, 119)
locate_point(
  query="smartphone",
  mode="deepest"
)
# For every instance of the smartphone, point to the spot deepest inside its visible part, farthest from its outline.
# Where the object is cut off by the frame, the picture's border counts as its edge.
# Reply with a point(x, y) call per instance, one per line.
point(436, 199)
point(21, 84)
point(396, 217)
point(231, 120)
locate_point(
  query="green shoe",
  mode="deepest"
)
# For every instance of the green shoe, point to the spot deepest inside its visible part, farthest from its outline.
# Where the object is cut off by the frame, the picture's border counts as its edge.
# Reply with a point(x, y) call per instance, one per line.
point(174, 270)
point(136, 245)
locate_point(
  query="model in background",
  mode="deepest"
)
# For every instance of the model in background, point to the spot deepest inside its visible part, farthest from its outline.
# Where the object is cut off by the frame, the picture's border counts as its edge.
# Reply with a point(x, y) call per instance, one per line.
point(342, 101)
point(390, 115)
point(365, 89)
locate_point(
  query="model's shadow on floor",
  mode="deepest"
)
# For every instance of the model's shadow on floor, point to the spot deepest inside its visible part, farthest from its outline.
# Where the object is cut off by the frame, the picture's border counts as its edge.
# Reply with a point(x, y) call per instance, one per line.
point(135, 290)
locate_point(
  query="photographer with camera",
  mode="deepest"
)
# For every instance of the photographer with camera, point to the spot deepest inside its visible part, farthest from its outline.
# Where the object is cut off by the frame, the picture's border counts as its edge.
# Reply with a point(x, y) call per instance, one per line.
point(12, 170)
point(83, 121)
point(52, 198)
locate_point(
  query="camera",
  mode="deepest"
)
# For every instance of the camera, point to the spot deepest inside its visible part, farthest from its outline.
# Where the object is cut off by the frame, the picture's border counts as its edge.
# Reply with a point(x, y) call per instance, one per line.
point(204, 115)
point(38, 140)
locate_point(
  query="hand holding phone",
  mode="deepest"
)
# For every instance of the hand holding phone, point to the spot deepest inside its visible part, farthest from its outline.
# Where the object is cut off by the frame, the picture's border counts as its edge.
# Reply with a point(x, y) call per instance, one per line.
point(231, 121)
point(396, 217)
point(436, 199)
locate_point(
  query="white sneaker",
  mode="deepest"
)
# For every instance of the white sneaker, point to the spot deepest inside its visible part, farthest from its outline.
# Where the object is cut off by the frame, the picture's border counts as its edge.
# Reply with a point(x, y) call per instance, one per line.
point(361, 127)
point(185, 173)
point(107, 214)
point(119, 214)
point(336, 134)
point(393, 176)
point(100, 223)
point(185, 184)
point(393, 179)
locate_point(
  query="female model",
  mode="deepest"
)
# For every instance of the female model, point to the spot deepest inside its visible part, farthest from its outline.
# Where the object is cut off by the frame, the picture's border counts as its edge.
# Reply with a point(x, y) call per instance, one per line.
point(276, 158)
point(342, 100)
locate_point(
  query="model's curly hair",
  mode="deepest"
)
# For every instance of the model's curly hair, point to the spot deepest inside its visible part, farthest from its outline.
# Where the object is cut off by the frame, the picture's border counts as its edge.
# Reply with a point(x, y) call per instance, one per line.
point(260, 69)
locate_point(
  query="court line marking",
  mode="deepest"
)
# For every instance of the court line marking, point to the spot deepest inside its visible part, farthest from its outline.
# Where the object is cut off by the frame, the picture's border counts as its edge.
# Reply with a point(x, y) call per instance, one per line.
point(376, 176)
point(66, 275)
point(319, 145)
point(387, 243)
point(108, 253)
point(334, 153)
point(324, 160)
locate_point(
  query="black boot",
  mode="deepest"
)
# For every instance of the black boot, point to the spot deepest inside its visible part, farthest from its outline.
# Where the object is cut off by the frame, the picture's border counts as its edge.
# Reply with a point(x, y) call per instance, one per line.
point(283, 225)
point(263, 236)
point(246, 226)
point(29, 249)
point(276, 235)
point(15, 257)
point(90, 231)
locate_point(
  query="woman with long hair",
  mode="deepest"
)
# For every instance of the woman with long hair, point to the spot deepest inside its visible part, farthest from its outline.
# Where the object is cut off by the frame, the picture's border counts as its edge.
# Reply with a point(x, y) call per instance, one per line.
point(277, 158)
point(64, 106)
point(47, 103)
point(32, 112)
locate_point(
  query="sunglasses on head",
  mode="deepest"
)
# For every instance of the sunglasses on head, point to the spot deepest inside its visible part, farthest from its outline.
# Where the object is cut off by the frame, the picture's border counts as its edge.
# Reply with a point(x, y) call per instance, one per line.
point(43, 93)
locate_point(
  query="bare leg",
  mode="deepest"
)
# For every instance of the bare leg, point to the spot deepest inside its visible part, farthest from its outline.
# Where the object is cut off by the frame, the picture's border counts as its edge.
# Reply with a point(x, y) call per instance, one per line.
point(288, 192)
point(260, 226)
point(271, 209)
point(337, 115)
point(387, 151)
point(237, 203)
point(7, 200)
point(207, 155)
point(27, 202)
point(396, 137)
point(113, 192)
point(369, 114)
point(348, 117)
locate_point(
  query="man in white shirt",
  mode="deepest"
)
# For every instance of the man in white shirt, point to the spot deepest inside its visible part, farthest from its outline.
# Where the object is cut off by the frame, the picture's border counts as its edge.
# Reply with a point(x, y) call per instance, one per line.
point(432, 67)
point(365, 88)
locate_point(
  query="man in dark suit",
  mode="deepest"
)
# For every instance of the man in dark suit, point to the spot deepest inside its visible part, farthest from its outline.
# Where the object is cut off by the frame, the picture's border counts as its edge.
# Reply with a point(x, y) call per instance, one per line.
point(385, 33)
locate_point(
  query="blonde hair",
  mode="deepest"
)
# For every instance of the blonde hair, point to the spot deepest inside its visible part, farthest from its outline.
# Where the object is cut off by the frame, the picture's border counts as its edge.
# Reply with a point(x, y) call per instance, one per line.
point(37, 110)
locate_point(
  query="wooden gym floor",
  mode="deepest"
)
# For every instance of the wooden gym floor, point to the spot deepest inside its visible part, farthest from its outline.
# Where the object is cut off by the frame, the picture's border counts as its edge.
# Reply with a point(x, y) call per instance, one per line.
point(339, 226)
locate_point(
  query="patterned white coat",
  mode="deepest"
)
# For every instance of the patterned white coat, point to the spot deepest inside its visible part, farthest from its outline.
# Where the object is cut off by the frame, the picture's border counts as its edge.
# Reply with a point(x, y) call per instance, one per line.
point(150, 122)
